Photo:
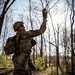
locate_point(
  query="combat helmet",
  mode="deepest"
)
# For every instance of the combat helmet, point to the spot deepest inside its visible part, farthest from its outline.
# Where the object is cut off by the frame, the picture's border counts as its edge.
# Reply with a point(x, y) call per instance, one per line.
point(17, 24)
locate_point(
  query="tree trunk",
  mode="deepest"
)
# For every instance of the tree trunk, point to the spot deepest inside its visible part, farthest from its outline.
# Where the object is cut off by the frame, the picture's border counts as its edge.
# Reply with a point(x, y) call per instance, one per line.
point(57, 50)
point(72, 50)
point(46, 54)
point(5, 9)
point(41, 50)
point(49, 49)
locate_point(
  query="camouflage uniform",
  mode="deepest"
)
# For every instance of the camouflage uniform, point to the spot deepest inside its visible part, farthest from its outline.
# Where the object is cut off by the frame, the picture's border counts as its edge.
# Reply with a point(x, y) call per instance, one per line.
point(21, 58)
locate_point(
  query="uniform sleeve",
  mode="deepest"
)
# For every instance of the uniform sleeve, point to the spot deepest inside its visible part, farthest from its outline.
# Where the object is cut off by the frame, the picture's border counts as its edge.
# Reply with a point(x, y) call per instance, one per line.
point(34, 33)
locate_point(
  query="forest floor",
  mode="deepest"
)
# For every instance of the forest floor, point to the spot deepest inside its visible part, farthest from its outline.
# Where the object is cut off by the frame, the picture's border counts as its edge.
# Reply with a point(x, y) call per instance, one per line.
point(7, 66)
point(5, 71)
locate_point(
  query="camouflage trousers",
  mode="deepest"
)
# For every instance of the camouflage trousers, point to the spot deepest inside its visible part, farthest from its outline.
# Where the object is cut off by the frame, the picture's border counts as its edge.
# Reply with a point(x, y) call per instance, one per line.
point(21, 66)
point(22, 72)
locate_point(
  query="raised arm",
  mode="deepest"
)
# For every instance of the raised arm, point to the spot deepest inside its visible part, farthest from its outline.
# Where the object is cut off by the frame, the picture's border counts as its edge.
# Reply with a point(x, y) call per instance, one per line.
point(33, 33)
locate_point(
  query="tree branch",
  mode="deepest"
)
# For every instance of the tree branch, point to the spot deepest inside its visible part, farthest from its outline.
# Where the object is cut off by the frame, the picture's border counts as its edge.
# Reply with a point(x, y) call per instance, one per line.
point(53, 5)
point(42, 4)
point(5, 5)
point(10, 5)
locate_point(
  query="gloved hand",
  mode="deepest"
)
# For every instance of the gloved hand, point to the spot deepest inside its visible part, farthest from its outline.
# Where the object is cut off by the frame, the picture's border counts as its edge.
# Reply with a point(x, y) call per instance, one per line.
point(44, 13)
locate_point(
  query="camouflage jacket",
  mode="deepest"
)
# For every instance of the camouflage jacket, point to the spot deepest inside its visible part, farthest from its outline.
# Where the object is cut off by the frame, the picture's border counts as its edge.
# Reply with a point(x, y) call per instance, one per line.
point(24, 38)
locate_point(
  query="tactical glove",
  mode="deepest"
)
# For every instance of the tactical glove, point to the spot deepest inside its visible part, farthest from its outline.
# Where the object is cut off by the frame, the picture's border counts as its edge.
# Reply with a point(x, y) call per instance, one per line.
point(44, 13)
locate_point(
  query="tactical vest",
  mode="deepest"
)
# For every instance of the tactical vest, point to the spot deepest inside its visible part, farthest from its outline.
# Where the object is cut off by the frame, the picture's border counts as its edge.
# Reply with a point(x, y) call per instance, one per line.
point(19, 43)
point(25, 43)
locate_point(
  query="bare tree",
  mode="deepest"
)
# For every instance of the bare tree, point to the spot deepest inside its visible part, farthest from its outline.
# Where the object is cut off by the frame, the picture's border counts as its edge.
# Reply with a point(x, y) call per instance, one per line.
point(6, 6)
point(45, 53)
point(49, 48)
point(72, 22)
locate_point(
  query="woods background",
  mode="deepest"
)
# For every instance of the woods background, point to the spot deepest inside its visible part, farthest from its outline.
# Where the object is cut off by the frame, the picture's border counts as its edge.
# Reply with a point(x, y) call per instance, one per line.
point(55, 49)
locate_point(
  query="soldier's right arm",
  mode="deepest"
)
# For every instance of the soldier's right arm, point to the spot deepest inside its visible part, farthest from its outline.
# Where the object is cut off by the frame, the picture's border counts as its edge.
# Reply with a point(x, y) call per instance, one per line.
point(33, 33)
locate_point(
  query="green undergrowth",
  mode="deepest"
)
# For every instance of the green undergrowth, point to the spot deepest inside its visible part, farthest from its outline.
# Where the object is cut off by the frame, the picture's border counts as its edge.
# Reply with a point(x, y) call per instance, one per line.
point(5, 63)
point(39, 63)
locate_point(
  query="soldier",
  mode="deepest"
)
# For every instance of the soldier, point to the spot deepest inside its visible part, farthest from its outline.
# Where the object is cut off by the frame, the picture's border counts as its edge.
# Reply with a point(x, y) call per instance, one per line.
point(24, 43)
